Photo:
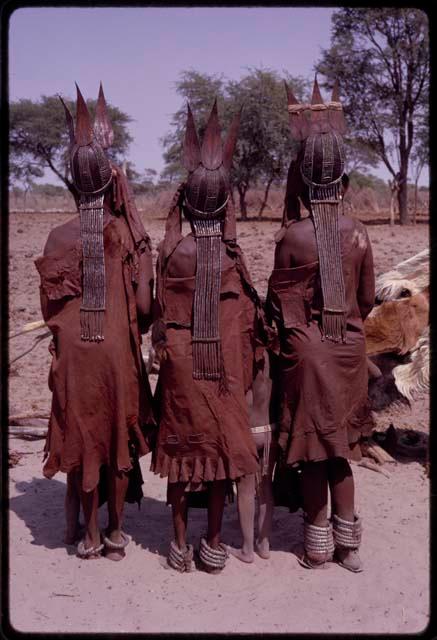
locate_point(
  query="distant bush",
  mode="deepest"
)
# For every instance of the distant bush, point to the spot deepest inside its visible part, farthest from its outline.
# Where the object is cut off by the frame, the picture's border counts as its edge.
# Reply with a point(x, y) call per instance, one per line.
point(360, 180)
point(367, 197)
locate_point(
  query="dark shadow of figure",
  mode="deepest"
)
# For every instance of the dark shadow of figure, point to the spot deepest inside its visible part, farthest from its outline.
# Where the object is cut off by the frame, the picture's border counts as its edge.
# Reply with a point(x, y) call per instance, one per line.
point(145, 523)
point(382, 390)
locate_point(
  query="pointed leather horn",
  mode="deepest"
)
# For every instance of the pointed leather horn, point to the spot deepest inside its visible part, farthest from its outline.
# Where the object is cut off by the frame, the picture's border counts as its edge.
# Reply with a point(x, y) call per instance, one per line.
point(290, 95)
point(317, 96)
point(335, 92)
point(212, 152)
point(335, 111)
point(84, 132)
point(102, 124)
point(298, 122)
point(231, 139)
point(68, 120)
point(191, 150)
point(319, 121)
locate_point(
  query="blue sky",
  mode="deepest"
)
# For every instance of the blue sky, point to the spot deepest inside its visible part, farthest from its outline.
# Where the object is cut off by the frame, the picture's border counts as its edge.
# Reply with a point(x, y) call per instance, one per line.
point(138, 54)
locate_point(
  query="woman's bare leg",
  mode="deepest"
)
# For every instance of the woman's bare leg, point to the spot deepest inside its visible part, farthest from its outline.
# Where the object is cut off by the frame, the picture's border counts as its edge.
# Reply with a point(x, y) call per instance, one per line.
point(342, 488)
point(318, 542)
point(265, 507)
point(117, 487)
point(347, 530)
point(314, 483)
point(178, 500)
point(72, 507)
point(90, 506)
point(216, 505)
point(246, 516)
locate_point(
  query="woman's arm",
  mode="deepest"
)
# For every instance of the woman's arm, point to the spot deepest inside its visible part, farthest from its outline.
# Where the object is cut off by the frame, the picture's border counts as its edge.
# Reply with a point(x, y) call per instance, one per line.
point(366, 286)
point(144, 291)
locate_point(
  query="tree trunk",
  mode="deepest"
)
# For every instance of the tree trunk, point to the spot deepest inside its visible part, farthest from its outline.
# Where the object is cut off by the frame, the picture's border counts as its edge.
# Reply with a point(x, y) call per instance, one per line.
point(243, 207)
point(404, 215)
point(266, 196)
point(392, 208)
point(415, 201)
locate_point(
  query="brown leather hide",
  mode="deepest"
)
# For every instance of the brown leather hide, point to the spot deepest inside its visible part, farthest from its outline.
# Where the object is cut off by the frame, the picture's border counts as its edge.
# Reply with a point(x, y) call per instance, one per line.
point(395, 326)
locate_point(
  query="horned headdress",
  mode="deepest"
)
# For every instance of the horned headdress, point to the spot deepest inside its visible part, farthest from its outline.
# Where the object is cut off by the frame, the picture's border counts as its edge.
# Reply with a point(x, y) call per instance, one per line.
point(206, 205)
point(91, 173)
point(319, 127)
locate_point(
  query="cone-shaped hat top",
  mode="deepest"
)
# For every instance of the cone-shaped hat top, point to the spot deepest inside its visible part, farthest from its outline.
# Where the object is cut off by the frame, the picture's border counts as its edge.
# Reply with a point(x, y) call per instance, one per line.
point(191, 150)
point(335, 92)
point(84, 132)
point(211, 152)
point(68, 120)
point(298, 122)
point(290, 95)
point(231, 139)
point(317, 96)
point(102, 124)
point(335, 111)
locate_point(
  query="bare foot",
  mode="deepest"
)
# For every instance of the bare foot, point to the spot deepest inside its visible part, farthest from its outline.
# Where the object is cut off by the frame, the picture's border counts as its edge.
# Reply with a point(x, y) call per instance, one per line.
point(244, 556)
point(262, 547)
point(87, 550)
point(116, 554)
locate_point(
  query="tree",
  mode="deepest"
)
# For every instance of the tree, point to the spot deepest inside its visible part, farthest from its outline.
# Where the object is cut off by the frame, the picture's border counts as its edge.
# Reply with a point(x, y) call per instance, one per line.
point(419, 158)
point(140, 183)
point(264, 143)
point(39, 138)
point(23, 172)
point(381, 57)
point(199, 89)
point(359, 156)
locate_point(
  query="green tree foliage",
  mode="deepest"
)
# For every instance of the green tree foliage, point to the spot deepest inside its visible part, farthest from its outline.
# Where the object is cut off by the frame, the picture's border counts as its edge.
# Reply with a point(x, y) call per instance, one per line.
point(361, 180)
point(359, 156)
point(264, 146)
point(39, 138)
point(381, 58)
point(140, 183)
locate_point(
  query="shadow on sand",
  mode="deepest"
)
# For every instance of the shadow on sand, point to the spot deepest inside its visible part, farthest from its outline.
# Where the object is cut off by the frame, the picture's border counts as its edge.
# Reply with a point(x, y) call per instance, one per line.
point(40, 505)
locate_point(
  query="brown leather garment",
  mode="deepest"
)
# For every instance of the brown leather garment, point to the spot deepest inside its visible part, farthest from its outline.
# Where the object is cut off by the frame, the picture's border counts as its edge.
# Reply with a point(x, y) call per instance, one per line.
point(324, 383)
point(102, 403)
point(204, 435)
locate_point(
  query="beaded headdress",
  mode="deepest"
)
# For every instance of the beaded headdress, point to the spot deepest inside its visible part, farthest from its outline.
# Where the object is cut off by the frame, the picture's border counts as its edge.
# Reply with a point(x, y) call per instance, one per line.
point(206, 205)
point(319, 127)
point(91, 173)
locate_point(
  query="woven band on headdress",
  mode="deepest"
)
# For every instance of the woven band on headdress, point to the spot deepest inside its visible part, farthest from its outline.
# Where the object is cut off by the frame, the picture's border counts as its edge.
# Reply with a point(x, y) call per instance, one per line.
point(325, 198)
point(335, 105)
point(201, 214)
point(92, 310)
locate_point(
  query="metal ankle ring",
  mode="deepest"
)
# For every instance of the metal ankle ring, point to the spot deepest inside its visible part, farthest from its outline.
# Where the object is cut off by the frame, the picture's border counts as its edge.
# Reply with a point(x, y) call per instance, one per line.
point(116, 545)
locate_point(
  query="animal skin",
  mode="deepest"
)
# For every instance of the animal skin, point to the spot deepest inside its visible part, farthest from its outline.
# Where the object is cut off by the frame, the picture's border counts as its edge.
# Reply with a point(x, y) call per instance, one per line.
point(397, 330)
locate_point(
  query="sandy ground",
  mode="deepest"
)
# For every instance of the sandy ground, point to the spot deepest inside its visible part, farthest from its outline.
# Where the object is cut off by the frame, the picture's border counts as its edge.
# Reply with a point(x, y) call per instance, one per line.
point(51, 590)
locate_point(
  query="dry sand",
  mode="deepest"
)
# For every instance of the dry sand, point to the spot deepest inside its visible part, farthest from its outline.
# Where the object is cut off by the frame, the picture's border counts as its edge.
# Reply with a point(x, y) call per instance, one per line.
point(51, 590)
